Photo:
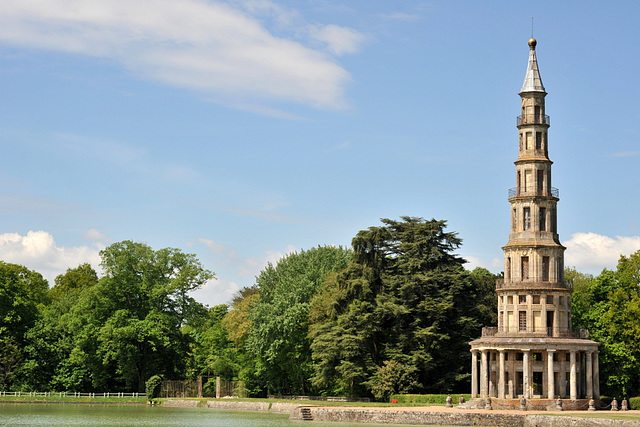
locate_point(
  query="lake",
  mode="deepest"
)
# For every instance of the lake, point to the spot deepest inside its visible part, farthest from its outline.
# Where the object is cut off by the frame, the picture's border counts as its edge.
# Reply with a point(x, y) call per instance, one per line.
point(51, 414)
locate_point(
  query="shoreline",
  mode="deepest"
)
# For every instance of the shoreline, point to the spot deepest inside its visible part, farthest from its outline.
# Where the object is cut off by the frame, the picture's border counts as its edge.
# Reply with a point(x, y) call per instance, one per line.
point(439, 415)
point(407, 415)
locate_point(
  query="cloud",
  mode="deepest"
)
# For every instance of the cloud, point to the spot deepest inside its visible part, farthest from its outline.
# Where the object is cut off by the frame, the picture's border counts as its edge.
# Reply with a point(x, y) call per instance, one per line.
point(232, 270)
point(339, 40)
point(625, 153)
point(342, 146)
point(221, 49)
point(97, 237)
point(591, 252)
point(473, 262)
point(401, 16)
point(38, 251)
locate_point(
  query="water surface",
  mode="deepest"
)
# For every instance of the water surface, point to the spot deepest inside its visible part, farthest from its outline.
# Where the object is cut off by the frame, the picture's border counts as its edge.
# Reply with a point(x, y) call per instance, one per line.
point(52, 414)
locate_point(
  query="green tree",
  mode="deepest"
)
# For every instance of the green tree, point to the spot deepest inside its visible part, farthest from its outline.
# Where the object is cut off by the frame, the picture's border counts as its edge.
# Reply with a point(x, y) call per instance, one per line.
point(213, 352)
point(22, 294)
point(142, 303)
point(609, 306)
point(114, 333)
point(404, 299)
point(74, 280)
point(279, 316)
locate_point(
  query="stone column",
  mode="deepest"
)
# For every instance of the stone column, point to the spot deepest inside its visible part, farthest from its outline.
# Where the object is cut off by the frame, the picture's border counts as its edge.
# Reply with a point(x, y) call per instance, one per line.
point(589, 376)
point(501, 375)
point(526, 369)
point(474, 374)
point(562, 376)
point(596, 376)
point(484, 375)
point(573, 378)
point(550, 381)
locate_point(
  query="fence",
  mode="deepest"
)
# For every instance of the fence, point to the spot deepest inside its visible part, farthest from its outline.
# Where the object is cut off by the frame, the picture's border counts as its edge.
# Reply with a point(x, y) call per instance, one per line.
point(66, 394)
point(203, 387)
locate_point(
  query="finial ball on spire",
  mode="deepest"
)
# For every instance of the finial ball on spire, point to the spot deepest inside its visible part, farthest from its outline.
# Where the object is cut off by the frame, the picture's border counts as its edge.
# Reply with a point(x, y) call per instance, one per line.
point(532, 42)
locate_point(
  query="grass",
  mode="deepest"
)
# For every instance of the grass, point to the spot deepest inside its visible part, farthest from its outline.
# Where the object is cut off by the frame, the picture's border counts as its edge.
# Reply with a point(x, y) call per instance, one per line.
point(308, 402)
point(631, 416)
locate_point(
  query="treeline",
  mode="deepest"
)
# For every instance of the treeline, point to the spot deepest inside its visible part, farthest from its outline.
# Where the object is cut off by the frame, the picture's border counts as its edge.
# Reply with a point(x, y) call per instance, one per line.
point(392, 314)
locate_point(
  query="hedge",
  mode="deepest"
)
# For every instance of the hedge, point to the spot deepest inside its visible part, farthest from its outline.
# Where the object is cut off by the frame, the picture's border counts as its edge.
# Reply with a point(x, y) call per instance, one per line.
point(427, 399)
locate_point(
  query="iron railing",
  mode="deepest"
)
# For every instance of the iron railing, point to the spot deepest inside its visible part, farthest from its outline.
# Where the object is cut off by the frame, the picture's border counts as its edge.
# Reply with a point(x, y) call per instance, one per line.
point(493, 331)
point(533, 119)
point(517, 192)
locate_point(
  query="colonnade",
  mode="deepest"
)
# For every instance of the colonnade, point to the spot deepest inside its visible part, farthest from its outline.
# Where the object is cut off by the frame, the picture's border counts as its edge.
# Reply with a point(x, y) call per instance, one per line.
point(535, 373)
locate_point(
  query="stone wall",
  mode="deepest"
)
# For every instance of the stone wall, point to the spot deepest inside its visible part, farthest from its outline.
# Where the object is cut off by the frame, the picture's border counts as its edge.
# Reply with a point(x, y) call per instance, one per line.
point(410, 417)
point(234, 405)
point(350, 415)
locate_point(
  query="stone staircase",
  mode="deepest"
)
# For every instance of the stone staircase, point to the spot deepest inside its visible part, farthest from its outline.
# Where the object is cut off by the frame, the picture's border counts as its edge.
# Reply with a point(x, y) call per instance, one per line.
point(306, 414)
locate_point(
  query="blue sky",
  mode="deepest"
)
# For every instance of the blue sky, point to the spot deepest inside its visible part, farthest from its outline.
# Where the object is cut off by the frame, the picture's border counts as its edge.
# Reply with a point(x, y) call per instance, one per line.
point(243, 130)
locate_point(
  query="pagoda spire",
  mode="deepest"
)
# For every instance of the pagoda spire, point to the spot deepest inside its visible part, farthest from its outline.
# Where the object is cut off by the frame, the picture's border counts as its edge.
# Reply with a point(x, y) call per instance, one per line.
point(532, 80)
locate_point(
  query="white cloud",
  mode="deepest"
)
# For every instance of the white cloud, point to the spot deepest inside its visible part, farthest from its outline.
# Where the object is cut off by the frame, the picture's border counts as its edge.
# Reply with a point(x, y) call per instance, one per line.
point(472, 262)
point(208, 46)
point(232, 270)
point(38, 251)
point(625, 153)
point(339, 40)
point(97, 237)
point(591, 252)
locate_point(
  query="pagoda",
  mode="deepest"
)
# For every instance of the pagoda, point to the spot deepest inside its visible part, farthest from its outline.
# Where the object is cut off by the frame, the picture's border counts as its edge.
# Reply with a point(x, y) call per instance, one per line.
point(534, 357)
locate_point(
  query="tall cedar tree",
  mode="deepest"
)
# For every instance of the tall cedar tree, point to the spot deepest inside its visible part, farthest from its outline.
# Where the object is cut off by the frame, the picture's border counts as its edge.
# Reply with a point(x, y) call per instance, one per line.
point(404, 300)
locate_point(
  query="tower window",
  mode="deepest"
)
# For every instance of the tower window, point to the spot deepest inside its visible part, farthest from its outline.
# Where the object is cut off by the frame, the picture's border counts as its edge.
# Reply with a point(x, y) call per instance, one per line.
point(528, 180)
point(524, 264)
point(522, 299)
point(536, 299)
point(526, 223)
point(538, 140)
point(522, 321)
point(514, 219)
point(549, 299)
point(545, 268)
point(543, 219)
point(527, 140)
point(540, 181)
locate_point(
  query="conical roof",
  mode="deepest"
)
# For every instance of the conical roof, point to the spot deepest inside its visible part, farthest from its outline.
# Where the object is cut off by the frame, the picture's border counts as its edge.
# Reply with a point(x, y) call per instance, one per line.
point(532, 80)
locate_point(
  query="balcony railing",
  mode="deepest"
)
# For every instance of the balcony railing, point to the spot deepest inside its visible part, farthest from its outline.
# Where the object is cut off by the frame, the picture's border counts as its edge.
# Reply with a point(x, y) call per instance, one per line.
point(533, 119)
point(492, 331)
point(517, 192)
point(533, 283)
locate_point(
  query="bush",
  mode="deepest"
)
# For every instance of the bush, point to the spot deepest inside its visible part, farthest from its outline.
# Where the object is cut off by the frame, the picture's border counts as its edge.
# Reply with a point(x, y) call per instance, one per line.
point(153, 386)
point(634, 403)
point(428, 399)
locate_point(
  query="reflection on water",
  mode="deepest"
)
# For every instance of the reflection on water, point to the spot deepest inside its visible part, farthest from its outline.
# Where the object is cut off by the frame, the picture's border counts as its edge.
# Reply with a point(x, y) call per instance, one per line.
point(51, 414)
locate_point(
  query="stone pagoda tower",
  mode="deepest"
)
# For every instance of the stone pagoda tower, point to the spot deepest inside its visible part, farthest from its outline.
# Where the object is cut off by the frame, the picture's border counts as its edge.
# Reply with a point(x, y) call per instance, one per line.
point(534, 353)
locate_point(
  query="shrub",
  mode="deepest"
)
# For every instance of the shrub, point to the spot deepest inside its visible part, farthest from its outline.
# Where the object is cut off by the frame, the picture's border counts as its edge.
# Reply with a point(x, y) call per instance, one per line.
point(153, 387)
point(634, 403)
point(428, 399)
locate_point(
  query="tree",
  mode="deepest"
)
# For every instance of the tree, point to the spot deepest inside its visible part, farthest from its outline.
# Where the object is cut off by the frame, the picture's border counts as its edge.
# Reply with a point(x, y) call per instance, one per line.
point(112, 334)
point(609, 306)
point(22, 294)
point(279, 316)
point(404, 299)
point(141, 305)
point(74, 280)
